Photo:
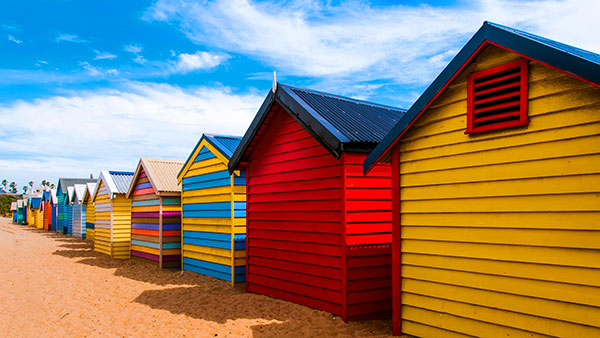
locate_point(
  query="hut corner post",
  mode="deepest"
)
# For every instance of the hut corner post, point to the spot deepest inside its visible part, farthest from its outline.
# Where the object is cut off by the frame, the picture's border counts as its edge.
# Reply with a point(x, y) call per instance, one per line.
point(232, 230)
point(344, 243)
point(396, 244)
point(160, 232)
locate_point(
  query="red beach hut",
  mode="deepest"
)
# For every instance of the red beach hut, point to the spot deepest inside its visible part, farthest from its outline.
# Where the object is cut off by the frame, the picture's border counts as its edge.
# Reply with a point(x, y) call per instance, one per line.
point(318, 230)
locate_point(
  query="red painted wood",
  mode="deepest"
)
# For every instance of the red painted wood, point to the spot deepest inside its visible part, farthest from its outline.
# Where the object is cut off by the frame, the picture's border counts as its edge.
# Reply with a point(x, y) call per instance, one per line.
point(396, 244)
point(303, 208)
point(143, 191)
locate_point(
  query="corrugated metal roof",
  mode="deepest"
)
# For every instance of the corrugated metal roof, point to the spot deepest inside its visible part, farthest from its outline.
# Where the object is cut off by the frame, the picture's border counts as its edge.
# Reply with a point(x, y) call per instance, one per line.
point(357, 120)
point(225, 144)
point(63, 183)
point(569, 59)
point(162, 173)
point(70, 193)
point(13, 206)
point(20, 203)
point(36, 202)
point(121, 180)
point(89, 190)
point(53, 194)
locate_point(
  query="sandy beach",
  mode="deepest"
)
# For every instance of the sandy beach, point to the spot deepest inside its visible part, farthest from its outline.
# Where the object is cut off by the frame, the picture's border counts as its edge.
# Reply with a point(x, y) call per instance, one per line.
point(57, 286)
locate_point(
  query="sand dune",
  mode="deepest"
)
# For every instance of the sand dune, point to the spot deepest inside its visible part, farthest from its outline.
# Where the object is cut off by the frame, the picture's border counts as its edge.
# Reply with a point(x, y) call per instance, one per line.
point(57, 286)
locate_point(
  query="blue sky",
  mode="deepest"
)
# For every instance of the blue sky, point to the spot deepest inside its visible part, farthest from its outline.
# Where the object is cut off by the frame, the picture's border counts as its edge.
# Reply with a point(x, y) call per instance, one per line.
point(93, 85)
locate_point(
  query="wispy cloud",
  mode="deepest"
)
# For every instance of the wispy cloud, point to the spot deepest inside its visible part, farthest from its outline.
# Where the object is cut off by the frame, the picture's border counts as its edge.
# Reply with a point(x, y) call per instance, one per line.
point(15, 40)
point(40, 63)
point(136, 50)
point(355, 41)
point(70, 38)
point(103, 55)
point(95, 71)
point(112, 128)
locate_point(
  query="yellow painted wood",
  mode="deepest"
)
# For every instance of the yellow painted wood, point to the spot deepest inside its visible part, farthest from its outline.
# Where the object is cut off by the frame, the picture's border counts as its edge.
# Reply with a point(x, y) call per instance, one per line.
point(190, 166)
point(501, 230)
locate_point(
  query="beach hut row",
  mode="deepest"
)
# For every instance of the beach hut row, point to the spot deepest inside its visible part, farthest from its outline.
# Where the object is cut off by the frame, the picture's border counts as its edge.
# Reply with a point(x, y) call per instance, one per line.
point(476, 212)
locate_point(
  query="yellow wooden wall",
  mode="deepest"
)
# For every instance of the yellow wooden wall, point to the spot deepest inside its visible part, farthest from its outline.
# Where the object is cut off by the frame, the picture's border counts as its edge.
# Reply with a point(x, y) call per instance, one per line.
point(102, 213)
point(90, 217)
point(501, 231)
point(39, 218)
point(121, 227)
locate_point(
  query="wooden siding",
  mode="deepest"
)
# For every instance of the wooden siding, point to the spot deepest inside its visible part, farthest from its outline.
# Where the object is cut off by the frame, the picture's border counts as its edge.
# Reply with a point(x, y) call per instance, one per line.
point(38, 214)
point(295, 230)
point(501, 231)
point(112, 228)
point(214, 217)
point(368, 230)
point(69, 218)
point(103, 216)
point(60, 212)
point(90, 219)
point(48, 215)
point(155, 225)
point(77, 220)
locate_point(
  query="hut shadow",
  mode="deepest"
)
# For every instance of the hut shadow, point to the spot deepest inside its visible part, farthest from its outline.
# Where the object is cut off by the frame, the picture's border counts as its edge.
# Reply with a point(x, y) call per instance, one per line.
point(87, 246)
point(214, 300)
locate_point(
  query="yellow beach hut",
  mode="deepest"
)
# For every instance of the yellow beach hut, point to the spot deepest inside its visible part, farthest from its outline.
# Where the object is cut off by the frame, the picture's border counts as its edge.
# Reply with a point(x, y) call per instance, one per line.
point(496, 193)
point(90, 215)
point(113, 214)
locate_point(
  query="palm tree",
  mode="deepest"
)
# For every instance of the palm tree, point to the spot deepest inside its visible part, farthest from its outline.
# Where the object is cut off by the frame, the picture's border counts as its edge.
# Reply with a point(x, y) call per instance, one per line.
point(13, 187)
point(5, 183)
point(25, 189)
point(31, 184)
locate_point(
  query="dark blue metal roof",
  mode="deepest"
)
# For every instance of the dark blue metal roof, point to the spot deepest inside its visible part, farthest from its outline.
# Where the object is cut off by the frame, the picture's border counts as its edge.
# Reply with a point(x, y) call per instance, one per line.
point(122, 180)
point(225, 144)
point(356, 120)
point(339, 123)
point(572, 60)
point(35, 202)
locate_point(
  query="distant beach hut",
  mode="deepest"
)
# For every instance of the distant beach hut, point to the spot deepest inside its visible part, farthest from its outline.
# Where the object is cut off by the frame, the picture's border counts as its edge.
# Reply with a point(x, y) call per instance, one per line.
point(13, 209)
point(113, 214)
point(47, 207)
point(36, 218)
point(20, 211)
point(90, 214)
point(69, 210)
point(79, 212)
point(54, 209)
point(156, 212)
point(214, 210)
point(318, 230)
point(61, 195)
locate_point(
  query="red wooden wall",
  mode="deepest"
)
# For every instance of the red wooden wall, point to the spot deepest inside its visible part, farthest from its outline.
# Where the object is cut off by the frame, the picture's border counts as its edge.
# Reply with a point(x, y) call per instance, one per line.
point(48, 215)
point(297, 219)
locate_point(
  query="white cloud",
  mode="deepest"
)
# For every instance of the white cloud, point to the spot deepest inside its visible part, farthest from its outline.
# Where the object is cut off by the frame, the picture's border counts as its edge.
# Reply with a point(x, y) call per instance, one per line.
point(40, 63)
point(200, 60)
point(15, 40)
point(70, 38)
point(112, 128)
point(354, 40)
point(103, 55)
point(136, 50)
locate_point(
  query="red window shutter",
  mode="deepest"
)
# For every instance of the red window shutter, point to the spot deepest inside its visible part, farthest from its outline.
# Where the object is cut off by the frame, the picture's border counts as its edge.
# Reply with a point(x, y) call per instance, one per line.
point(497, 98)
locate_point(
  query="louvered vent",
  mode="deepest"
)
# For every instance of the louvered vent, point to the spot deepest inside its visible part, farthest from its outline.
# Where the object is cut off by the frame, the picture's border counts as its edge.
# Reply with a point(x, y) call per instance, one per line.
point(497, 97)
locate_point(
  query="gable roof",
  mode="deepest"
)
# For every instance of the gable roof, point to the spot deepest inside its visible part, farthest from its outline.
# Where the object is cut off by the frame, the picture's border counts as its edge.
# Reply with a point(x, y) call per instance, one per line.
point(13, 206)
point(79, 192)
point(225, 144)
point(53, 195)
point(89, 191)
point(116, 182)
point(161, 173)
point(70, 193)
point(339, 123)
point(63, 183)
point(574, 61)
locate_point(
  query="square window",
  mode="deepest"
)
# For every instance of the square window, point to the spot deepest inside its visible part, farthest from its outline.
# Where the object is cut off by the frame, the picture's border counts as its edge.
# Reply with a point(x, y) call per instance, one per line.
point(497, 98)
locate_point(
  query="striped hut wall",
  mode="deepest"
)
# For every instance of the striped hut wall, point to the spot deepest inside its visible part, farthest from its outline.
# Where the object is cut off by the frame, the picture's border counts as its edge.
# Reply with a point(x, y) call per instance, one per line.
point(213, 211)
point(171, 232)
point(69, 220)
point(103, 216)
point(39, 218)
point(501, 231)
point(83, 220)
point(90, 219)
point(145, 219)
point(54, 217)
